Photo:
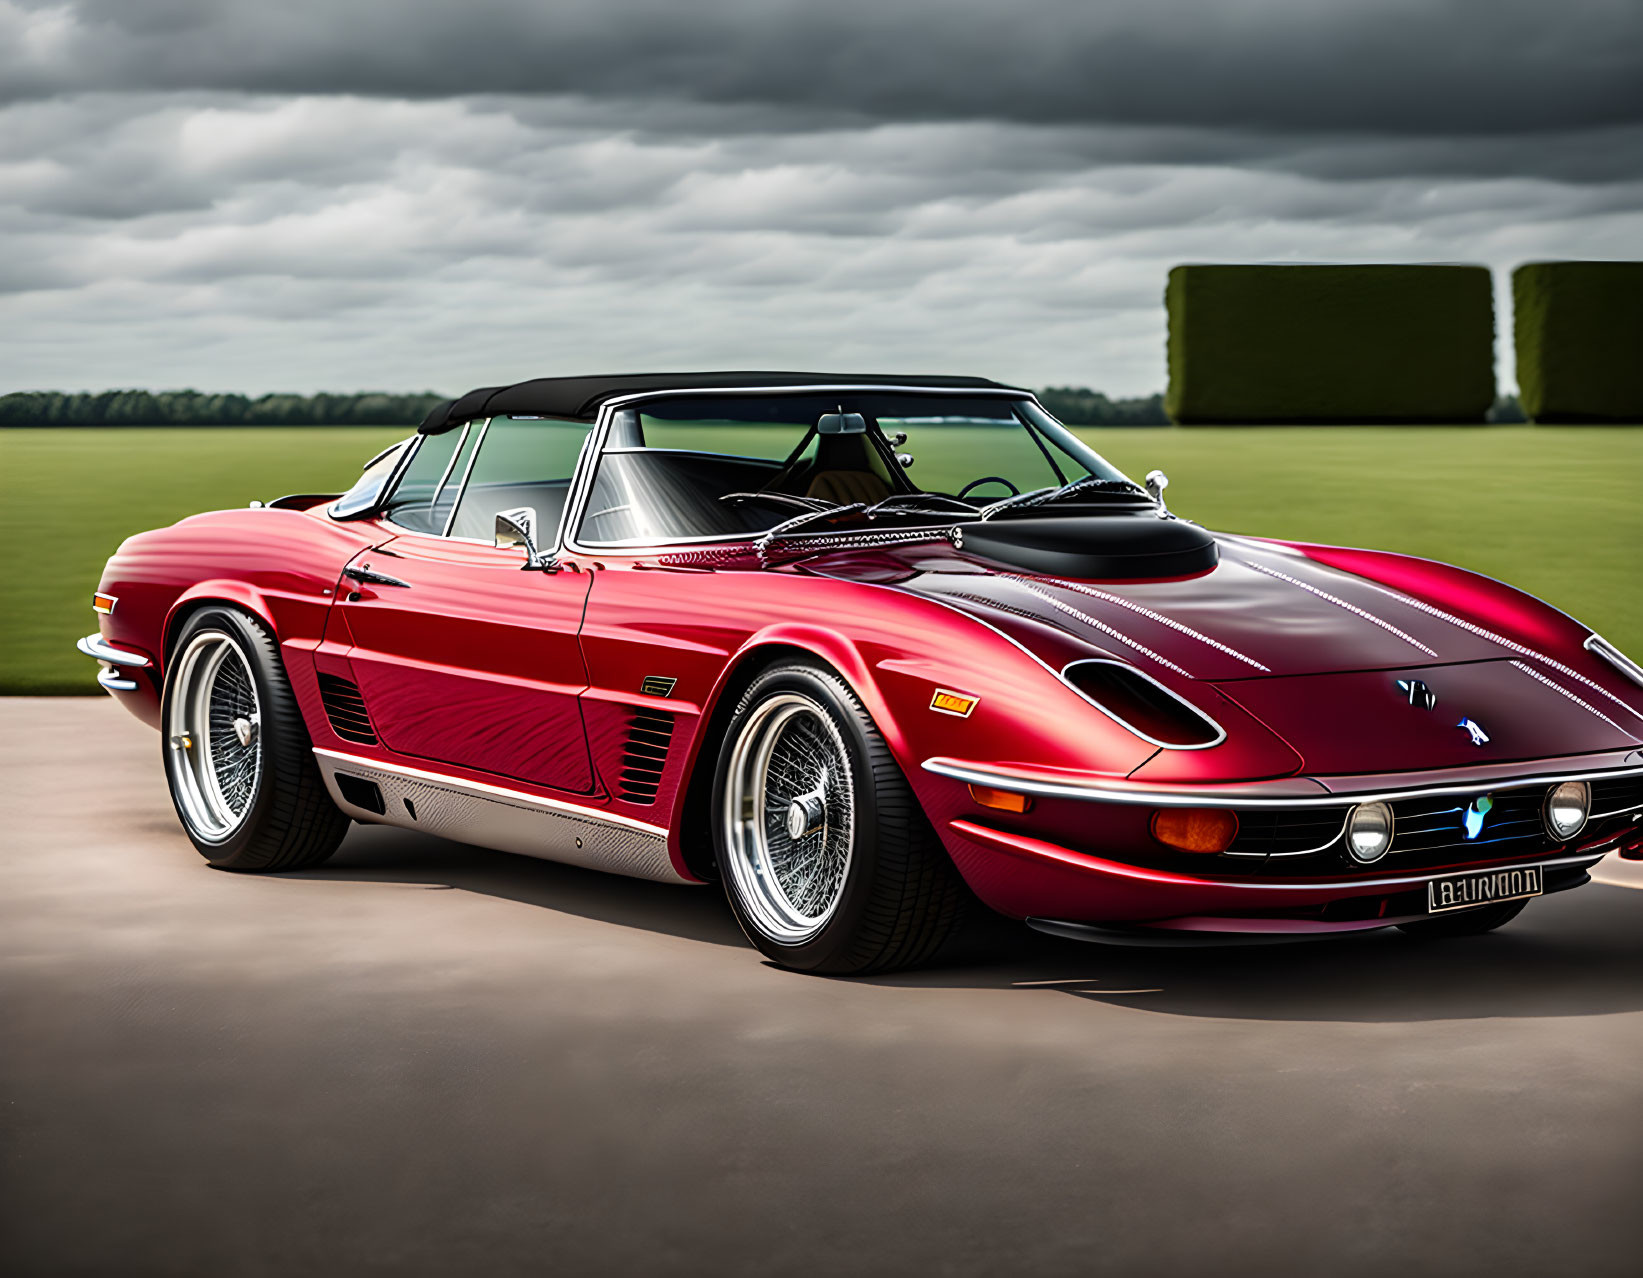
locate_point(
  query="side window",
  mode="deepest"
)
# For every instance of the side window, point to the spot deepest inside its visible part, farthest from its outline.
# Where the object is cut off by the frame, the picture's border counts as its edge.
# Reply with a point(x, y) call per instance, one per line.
point(368, 487)
point(521, 462)
point(422, 499)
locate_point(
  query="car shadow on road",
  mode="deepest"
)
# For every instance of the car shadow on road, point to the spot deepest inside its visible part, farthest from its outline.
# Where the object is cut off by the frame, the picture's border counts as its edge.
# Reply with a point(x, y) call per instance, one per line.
point(1574, 954)
point(1578, 953)
point(374, 853)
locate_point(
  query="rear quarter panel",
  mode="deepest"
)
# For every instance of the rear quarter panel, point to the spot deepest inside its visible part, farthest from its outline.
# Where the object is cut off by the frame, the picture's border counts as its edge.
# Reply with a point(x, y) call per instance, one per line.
point(279, 565)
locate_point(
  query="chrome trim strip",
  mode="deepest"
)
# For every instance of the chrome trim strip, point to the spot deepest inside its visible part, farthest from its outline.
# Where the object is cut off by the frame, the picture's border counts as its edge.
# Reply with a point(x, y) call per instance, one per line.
point(462, 487)
point(1220, 732)
point(98, 647)
point(1099, 792)
point(1341, 603)
point(413, 445)
point(1150, 615)
point(970, 829)
point(114, 681)
point(1102, 626)
point(485, 788)
point(1557, 687)
point(1009, 639)
point(1596, 643)
point(1322, 847)
point(1510, 645)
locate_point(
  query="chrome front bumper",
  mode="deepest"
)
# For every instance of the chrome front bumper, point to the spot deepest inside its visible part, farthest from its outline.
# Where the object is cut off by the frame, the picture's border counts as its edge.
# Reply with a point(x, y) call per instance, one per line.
point(114, 661)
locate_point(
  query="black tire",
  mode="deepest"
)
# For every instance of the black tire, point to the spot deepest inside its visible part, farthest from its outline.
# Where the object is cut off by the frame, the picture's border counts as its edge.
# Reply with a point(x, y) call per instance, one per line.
point(1473, 922)
point(901, 896)
point(289, 821)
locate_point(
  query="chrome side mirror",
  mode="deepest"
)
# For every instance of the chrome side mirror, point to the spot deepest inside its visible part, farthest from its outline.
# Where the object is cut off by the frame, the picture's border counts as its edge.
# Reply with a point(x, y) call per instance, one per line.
point(1157, 481)
point(516, 528)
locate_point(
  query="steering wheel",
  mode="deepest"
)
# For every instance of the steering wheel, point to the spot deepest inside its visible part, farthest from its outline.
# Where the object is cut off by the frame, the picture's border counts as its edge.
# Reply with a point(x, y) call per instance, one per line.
point(989, 479)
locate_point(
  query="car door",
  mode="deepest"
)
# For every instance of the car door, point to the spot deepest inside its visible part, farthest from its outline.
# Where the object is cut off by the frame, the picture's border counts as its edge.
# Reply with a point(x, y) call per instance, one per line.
point(463, 656)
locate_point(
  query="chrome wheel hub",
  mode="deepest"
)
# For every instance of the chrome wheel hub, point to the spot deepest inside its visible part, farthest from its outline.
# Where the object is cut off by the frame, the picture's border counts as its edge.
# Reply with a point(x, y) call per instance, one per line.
point(789, 817)
point(213, 727)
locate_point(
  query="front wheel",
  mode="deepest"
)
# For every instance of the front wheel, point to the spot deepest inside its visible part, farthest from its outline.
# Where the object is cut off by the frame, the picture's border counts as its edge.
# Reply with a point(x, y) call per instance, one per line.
point(1473, 922)
point(237, 754)
point(827, 859)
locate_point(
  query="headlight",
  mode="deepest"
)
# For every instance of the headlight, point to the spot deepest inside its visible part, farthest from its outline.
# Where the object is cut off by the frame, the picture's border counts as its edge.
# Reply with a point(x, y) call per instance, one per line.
point(1566, 809)
point(1369, 831)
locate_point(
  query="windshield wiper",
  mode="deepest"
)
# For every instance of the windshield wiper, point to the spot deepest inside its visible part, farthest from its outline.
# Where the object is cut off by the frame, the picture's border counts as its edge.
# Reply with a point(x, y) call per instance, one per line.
point(892, 505)
point(1043, 496)
point(787, 527)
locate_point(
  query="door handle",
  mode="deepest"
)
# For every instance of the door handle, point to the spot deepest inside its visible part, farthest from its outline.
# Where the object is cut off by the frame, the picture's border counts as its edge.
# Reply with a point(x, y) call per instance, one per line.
point(367, 576)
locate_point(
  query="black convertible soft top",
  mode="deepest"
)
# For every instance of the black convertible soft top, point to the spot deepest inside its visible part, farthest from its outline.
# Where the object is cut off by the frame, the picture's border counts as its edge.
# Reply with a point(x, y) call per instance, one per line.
point(581, 396)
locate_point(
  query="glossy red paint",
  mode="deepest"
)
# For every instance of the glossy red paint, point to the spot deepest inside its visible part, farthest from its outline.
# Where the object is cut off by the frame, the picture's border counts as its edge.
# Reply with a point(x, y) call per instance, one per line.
point(486, 673)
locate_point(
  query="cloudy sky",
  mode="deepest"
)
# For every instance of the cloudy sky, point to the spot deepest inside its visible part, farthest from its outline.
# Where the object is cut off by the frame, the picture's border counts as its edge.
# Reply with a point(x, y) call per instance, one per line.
point(407, 194)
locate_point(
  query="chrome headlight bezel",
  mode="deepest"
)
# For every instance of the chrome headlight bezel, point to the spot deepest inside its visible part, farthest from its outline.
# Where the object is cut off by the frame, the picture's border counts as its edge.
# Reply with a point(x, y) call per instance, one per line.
point(1578, 796)
point(1370, 820)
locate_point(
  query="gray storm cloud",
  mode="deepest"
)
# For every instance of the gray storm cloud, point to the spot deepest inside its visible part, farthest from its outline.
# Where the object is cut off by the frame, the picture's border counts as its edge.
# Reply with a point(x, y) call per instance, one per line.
point(1405, 66)
point(298, 195)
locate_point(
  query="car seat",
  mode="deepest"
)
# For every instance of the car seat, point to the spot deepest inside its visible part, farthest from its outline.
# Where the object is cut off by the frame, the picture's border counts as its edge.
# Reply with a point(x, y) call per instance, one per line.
point(843, 471)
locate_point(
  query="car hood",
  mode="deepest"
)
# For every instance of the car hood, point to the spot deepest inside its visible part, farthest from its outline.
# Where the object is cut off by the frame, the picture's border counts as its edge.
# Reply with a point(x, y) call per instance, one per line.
point(1258, 613)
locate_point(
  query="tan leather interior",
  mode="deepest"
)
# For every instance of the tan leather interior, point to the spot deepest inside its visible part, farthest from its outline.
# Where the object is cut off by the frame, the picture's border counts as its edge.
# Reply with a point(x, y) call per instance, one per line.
point(846, 486)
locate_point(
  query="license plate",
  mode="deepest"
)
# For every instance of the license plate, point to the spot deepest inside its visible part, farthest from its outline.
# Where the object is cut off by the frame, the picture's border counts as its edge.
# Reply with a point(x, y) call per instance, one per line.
point(1483, 887)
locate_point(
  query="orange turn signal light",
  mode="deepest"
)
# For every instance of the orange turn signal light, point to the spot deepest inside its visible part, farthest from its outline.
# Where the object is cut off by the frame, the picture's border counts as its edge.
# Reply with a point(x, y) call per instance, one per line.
point(1002, 800)
point(1195, 829)
point(103, 603)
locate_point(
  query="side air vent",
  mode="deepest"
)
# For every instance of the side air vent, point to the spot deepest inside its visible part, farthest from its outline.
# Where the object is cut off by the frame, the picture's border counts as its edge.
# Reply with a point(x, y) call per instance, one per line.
point(361, 793)
point(649, 735)
point(1145, 707)
point(345, 708)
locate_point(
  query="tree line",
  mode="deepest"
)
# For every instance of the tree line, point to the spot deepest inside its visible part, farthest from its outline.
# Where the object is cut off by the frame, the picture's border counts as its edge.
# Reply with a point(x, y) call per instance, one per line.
point(1074, 405)
point(197, 408)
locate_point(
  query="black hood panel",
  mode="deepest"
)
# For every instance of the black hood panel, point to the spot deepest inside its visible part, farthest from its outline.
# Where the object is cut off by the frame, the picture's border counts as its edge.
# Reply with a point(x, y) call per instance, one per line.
point(1100, 548)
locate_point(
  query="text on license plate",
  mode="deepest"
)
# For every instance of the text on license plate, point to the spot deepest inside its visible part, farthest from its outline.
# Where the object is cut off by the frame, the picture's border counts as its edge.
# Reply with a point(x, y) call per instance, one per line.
point(1461, 891)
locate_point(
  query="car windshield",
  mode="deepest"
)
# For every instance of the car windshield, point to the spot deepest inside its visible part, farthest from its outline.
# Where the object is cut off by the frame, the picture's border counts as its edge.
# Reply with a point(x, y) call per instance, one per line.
point(714, 467)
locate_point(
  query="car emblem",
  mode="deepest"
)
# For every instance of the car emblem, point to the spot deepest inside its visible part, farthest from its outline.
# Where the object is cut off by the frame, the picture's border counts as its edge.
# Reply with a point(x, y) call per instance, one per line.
point(1475, 812)
point(1479, 736)
point(1419, 694)
point(657, 686)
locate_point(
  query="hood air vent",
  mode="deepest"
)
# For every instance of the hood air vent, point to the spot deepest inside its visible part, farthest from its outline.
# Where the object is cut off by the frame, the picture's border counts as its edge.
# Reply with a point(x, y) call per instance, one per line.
point(1142, 705)
point(650, 733)
point(345, 708)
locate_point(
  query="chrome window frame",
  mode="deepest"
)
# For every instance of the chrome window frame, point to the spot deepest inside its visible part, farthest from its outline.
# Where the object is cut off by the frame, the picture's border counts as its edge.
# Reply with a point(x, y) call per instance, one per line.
point(576, 504)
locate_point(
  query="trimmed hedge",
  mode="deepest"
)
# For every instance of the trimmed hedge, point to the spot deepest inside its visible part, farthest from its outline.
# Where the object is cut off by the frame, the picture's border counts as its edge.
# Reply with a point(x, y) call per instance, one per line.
point(1330, 344)
point(1579, 338)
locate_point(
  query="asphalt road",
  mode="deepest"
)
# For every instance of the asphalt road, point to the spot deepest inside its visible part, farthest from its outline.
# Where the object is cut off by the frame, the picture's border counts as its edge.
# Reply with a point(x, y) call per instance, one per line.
point(426, 1059)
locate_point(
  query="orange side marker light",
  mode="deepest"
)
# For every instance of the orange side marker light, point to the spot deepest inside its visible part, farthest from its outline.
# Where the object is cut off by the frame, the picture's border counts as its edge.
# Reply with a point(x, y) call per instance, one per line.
point(946, 701)
point(1195, 829)
point(1001, 800)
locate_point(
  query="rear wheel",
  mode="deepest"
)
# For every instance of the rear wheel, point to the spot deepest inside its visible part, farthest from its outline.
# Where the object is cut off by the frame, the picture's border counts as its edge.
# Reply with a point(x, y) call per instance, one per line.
point(829, 863)
point(237, 755)
point(1474, 922)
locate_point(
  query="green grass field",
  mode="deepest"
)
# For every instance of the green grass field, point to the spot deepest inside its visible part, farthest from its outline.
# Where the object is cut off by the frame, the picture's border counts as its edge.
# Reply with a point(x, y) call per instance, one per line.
point(1558, 512)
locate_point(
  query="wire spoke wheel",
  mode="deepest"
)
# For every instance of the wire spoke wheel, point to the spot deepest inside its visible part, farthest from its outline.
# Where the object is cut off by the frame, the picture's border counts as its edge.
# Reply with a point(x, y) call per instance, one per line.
point(789, 817)
point(214, 732)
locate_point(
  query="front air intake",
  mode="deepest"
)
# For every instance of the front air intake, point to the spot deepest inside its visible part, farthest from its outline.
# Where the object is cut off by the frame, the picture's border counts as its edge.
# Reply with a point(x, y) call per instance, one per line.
point(345, 708)
point(650, 733)
point(1142, 705)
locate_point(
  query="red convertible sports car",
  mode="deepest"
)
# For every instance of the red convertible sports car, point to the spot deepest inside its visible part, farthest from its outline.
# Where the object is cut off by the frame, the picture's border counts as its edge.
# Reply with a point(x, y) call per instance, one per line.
point(721, 627)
